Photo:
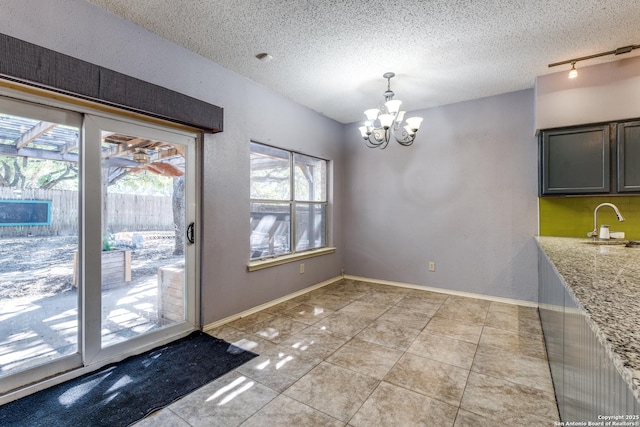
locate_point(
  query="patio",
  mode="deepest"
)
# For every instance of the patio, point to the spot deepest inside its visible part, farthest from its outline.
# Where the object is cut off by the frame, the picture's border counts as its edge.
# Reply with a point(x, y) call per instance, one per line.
point(38, 328)
point(36, 331)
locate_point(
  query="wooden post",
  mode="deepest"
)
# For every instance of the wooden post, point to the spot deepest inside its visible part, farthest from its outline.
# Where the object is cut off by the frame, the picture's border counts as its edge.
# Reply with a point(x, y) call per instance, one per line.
point(75, 269)
point(116, 268)
point(127, 266)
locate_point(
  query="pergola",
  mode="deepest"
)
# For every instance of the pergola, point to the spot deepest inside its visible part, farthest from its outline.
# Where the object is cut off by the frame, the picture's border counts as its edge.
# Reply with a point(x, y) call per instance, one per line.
point(121, 155)
point(24, 137)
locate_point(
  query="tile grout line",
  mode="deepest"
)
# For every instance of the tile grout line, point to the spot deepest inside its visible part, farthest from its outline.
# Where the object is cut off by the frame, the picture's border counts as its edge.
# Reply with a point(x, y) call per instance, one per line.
point(466, 383)
point(404, 351)
point(390, 369)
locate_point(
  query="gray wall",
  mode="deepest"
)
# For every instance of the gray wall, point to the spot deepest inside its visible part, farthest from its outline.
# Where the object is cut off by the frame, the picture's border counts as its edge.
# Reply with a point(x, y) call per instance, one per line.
point(464, 195)
point(79, 29)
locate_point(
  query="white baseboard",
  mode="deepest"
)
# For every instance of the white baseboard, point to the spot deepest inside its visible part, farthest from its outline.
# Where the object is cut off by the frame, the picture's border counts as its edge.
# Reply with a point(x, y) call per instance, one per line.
point(218, 323)
point(253, 310)
point(446, 291)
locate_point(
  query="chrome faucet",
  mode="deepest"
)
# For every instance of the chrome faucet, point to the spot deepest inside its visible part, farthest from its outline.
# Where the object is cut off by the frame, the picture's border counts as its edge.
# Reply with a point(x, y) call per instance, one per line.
point(594, 233)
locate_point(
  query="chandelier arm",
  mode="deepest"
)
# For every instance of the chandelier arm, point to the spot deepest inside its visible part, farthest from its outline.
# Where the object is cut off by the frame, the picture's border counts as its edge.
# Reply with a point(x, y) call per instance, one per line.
point(387, 136)
point(371, 144)
point(376, 143)
point(381, 135)
point(405, 142)
point(407, 139)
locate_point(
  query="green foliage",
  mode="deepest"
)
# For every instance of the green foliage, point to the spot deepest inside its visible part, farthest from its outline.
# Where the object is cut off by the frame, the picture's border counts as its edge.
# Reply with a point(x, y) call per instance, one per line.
point(28, 172)
point(106, 245)
point(24, 172)
point(142, 182)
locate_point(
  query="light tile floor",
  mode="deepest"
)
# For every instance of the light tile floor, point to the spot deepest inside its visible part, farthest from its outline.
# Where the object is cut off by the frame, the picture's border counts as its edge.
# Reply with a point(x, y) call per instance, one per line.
point(362, 354)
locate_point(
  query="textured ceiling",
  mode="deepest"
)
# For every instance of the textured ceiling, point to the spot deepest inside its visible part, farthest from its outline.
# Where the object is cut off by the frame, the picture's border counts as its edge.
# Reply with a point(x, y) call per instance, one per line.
point(330, 55)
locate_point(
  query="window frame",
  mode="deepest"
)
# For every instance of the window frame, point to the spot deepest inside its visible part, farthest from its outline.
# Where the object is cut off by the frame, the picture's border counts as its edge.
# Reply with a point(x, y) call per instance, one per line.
point(293, 254)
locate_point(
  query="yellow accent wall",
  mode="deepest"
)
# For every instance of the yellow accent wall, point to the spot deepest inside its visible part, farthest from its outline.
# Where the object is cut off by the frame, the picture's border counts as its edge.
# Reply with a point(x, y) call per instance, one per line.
point(573, 216)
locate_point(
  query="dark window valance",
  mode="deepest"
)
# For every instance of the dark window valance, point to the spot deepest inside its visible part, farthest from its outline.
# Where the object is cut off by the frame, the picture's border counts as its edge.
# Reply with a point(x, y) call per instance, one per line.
point(32, 64)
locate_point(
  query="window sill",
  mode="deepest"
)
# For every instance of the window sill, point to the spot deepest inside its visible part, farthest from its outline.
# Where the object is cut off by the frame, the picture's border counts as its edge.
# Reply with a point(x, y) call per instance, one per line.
point(284, 259)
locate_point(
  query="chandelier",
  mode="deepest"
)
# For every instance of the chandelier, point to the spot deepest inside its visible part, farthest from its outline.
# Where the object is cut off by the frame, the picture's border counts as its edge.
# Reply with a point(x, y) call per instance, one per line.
point(384, 121)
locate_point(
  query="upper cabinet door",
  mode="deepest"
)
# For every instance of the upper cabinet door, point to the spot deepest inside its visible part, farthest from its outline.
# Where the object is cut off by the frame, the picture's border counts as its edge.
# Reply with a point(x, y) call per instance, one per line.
point(575, 161)
point(628, 157)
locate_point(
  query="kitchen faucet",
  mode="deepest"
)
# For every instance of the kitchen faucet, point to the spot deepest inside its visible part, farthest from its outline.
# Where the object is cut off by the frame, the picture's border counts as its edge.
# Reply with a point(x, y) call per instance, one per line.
point(594, 233)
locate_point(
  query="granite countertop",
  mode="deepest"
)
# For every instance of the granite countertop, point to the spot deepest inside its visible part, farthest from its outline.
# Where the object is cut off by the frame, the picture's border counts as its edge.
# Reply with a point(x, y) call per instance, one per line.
point(605, 281)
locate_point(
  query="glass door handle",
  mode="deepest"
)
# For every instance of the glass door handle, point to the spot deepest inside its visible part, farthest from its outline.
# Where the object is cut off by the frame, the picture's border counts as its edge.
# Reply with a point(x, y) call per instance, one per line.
point(190, 233)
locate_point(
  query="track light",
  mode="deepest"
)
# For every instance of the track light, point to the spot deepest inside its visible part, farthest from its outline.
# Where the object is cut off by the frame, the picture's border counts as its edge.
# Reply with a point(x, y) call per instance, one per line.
point(573, 73)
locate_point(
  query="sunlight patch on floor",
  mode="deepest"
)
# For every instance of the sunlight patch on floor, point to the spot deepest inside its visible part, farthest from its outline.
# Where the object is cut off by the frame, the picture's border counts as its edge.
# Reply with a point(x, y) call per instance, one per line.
point(8, 312)
point(236, 393)
point(283, 362)
point(126, 379)
point(64, 314)
point(228, 391)
point(74, 394)
point(269, 333)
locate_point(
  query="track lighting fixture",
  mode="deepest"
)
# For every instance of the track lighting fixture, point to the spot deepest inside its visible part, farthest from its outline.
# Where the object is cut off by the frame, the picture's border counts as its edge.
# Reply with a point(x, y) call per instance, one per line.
point(573, 73)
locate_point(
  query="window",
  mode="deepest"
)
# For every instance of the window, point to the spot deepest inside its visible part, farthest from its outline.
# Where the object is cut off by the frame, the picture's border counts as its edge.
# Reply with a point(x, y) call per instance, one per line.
point(288, 202)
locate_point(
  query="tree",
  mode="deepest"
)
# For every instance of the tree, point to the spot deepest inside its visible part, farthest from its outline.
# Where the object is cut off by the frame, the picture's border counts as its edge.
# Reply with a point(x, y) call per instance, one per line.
point(11, 177)
point(178, 214)
point(53, 178)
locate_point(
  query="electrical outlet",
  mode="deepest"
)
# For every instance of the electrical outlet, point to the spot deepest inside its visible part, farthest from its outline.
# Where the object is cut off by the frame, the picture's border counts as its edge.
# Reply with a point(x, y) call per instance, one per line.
point(432, 266)
point(301, 268)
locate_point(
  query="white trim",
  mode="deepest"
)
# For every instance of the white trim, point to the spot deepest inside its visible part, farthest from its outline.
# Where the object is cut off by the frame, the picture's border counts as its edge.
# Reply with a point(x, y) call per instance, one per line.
point(90, 117)
point(221, 322)
point(285, 259)
point(94, 351)
point(446, 291)
point(261, 307)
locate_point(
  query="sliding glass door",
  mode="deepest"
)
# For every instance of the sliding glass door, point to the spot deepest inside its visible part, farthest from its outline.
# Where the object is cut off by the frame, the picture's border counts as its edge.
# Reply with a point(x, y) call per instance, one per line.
point(139, 201)
point(97, 242)
point(39, 240)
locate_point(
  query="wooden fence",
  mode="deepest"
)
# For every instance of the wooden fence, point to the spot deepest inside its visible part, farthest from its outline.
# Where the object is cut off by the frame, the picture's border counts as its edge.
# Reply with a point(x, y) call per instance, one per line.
point(126, 212)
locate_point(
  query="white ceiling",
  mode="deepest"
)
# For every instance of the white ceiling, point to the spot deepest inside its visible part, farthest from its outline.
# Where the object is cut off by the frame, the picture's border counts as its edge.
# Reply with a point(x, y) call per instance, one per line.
point(329, 55)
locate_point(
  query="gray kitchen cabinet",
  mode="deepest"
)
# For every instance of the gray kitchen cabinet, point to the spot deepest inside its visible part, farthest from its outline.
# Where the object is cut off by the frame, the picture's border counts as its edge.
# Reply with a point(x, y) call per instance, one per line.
point(628, 151)
point(575, 161)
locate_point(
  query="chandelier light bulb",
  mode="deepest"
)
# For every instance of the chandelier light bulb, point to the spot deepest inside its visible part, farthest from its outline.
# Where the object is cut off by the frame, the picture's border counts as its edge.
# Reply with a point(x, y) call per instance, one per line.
point(414, 123)
point(386, 120)
point(372, 114)
point(393, 106)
